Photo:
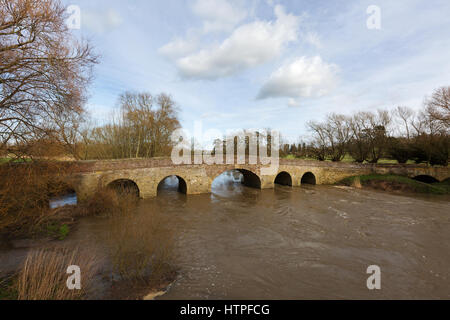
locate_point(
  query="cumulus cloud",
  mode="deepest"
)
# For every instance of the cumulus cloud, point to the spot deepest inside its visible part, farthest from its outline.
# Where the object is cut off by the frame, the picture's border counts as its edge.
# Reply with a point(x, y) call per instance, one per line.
point(101, 21)
point(304, 77)
point(218, 15)
point(248, 46)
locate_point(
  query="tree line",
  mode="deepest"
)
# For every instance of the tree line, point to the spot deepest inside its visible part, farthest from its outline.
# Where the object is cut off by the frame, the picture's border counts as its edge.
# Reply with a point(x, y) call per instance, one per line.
point(401, 134)
point(141, 128)
point(45, 73)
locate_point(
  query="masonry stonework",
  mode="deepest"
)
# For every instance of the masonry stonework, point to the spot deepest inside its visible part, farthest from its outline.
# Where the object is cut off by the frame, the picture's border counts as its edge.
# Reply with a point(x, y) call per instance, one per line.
point(148, 173)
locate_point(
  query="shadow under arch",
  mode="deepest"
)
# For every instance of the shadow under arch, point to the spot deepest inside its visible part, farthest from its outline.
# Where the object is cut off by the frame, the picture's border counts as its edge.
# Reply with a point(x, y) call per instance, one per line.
point(243, 176)
point(308, 178)
point(124, 187)
point(283, 178)
point(58, 188)
point(250, 179)
point(172, 183)
point(425, 178)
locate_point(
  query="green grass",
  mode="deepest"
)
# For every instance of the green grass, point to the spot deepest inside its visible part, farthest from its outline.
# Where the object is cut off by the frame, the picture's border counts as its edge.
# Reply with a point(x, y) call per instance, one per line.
point(392, 161)
point(413, 185)
point(444, 185)
point(58, 231)
point(348, 158)
point(6, 160)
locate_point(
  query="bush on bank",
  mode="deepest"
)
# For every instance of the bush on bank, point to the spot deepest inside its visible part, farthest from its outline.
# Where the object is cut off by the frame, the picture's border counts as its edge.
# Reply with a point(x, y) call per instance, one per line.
point(25, 192)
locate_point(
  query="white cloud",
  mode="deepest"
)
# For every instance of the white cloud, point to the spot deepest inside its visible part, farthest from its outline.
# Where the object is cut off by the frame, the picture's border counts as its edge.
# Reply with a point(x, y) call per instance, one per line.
point(303, 77)
point(248, 46)
point(179, 48)
point(218, 15)
point(101, 21)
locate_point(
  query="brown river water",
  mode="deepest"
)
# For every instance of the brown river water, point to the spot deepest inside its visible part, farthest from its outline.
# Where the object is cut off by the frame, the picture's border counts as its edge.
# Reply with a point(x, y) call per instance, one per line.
point(311, 242)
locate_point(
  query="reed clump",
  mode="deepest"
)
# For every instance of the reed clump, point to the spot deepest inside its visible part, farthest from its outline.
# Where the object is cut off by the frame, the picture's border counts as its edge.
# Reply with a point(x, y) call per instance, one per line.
point(141, 247)
point(44, 274)
point(108, 202)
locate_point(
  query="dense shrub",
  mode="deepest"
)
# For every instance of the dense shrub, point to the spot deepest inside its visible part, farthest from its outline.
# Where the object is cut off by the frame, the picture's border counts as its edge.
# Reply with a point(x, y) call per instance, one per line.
point(399, 149)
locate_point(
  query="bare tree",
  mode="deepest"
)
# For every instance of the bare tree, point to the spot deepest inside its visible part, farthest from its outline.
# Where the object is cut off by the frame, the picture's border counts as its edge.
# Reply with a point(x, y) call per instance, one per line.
point(44, 70)
point(359, 145)
point(142, 128)
point(431, 141)
point(378, 133)
point(319, 144)
point(338, 131)
point(166, 121)
point(405, 115)
point(438, 107)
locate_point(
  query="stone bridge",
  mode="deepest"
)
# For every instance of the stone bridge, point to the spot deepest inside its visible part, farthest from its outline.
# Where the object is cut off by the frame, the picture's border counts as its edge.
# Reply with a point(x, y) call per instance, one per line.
point(147, 174)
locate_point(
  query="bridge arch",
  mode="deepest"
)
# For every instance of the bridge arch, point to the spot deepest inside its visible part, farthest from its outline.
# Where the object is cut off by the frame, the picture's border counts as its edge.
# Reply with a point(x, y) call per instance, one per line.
point(426, 178)
point(308, 178)
point(124, 186)
point(283, 178)
point(60, 187)
point(182, 185)
point(61, 193)
point(250, 178)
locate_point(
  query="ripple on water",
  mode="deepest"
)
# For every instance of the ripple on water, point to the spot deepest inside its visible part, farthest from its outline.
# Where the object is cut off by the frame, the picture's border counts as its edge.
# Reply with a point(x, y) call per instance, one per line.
point(314, 243)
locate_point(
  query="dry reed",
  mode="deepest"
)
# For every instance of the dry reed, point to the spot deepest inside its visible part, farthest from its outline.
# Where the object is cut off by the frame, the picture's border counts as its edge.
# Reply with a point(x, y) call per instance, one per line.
point(43, 275)
point(108, 202)
point(141, 246)
point(25, 191)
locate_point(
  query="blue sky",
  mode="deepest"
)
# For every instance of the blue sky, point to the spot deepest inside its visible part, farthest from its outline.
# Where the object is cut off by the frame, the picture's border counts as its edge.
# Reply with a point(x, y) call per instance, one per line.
point(234, 64)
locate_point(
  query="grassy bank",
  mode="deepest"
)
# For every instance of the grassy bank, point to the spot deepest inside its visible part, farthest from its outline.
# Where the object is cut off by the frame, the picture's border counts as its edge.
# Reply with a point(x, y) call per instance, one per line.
point(396, 183)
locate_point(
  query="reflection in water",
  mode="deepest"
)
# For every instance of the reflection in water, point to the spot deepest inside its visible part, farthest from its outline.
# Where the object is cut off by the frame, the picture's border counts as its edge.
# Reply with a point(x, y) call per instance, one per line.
point(172, 184)
point(65, 200)
point(169, 184)
point(227, 184)
point(311, 242)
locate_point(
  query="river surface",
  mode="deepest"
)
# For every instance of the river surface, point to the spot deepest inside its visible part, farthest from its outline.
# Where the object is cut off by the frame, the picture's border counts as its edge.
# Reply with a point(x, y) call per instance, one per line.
point(311, 242)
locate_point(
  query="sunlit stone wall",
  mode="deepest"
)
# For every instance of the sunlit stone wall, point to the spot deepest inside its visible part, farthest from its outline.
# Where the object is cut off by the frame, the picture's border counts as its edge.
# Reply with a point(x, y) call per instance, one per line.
point(148, 173)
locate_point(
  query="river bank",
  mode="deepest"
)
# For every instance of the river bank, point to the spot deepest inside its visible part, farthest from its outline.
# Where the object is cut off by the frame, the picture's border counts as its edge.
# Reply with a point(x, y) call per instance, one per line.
point(131, 260)
point(399, 184)
point(104, 282)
